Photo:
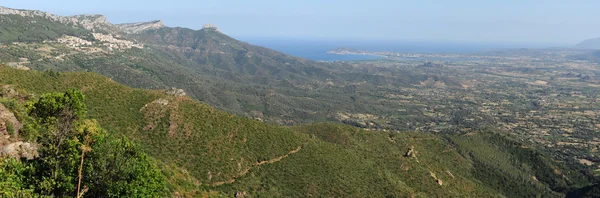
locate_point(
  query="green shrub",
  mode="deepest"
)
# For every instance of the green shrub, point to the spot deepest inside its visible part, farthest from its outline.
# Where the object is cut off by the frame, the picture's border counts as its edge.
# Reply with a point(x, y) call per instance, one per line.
point(10, 128)
point(116, 167)
point(14, 178)
point(69, 143)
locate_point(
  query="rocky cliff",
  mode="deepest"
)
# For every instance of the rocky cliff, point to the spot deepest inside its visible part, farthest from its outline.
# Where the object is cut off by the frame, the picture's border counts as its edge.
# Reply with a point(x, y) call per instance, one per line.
point(9, 144)
point(89, 22)
point(133, 28)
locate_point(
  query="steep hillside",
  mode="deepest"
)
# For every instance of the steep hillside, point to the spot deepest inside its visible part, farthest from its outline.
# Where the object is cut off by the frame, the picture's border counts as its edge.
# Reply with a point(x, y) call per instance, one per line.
point(214, 50)
point(203, 150)
point(37, 26)
point(17, 28)
point(247, 80)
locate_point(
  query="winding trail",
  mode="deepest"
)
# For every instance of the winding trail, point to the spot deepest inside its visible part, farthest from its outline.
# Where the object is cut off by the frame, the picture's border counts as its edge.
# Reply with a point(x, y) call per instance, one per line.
point(247, 170)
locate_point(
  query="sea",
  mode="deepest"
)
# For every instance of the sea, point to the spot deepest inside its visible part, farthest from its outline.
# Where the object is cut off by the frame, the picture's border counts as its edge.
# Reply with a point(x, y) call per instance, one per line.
point(316, 49)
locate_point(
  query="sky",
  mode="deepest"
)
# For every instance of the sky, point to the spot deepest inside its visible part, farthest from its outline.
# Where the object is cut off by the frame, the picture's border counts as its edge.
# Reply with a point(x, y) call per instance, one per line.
point(527, 21)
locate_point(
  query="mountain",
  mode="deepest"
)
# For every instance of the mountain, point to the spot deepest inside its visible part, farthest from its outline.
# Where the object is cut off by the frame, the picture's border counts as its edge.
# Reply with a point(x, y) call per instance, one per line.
point(211, 112)
point(210, 48)
point(133, 28)
point(593, 43)
point(201, 150)
point(37, 26)
point(88, 22)
point(210, 66)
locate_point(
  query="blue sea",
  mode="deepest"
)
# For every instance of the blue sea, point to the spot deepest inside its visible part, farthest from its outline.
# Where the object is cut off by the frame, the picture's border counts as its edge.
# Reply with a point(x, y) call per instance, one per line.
point(316, 49)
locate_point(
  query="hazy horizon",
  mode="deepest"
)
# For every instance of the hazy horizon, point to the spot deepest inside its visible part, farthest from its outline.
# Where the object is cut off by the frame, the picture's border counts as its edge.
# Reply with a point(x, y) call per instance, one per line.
point(542, 22)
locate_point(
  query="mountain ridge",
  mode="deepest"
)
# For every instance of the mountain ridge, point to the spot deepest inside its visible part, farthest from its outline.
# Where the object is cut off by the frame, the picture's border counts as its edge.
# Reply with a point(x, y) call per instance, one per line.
point(201, 145)
point(87, 21)
point(137, 27)
point(92, 22)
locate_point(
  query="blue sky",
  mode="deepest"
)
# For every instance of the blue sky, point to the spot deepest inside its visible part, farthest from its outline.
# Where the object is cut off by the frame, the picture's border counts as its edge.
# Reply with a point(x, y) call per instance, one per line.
point(537, 21)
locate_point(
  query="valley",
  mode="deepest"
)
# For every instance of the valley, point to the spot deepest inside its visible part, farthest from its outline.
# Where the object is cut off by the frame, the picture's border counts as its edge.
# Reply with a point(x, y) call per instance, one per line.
point(549, 101)
point(222, 117)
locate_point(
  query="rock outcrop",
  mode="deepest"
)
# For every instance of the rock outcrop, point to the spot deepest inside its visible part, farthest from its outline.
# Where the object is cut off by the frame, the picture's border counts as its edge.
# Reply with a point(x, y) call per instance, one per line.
point(161, 101)
point(8, 122)
point(210, 27)
point(241, 194)
point(8, 91)
point(89, 22)
point(175, 92)
point(411, 152)
point(93, 22)
point(437, 180)
point(9, 127)
point(20, 150)
point(32, 13)
point(134, 28)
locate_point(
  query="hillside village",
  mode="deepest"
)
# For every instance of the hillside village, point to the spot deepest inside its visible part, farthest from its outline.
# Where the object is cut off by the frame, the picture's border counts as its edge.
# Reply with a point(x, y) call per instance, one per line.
point(511, 123)
point(109, 41)
point(68, 45)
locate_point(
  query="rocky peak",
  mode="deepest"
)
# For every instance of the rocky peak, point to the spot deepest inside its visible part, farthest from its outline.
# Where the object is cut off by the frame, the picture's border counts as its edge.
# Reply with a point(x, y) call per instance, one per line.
point(92, 18)
point(89, 22)
point(92, 22)
point(133, 28)
point(175, 92)
point(29, 13)
point(210, 27)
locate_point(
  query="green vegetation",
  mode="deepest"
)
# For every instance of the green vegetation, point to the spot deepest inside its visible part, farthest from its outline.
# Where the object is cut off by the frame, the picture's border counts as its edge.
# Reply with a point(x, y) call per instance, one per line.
point(10, 128)
point(516, 123)
point(513, 168)
point(586, 192)
point(113, 167)
point(235, 76)
point(203, 151)
point(119, 168)
point(13, 176)
point(16, 28)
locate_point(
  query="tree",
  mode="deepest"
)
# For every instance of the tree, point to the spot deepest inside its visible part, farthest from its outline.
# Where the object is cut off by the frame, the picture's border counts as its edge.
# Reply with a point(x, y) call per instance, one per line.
point(75, 154)
point(87, 132)
point(13, 178)
point(121, 170)
point(58, 114)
